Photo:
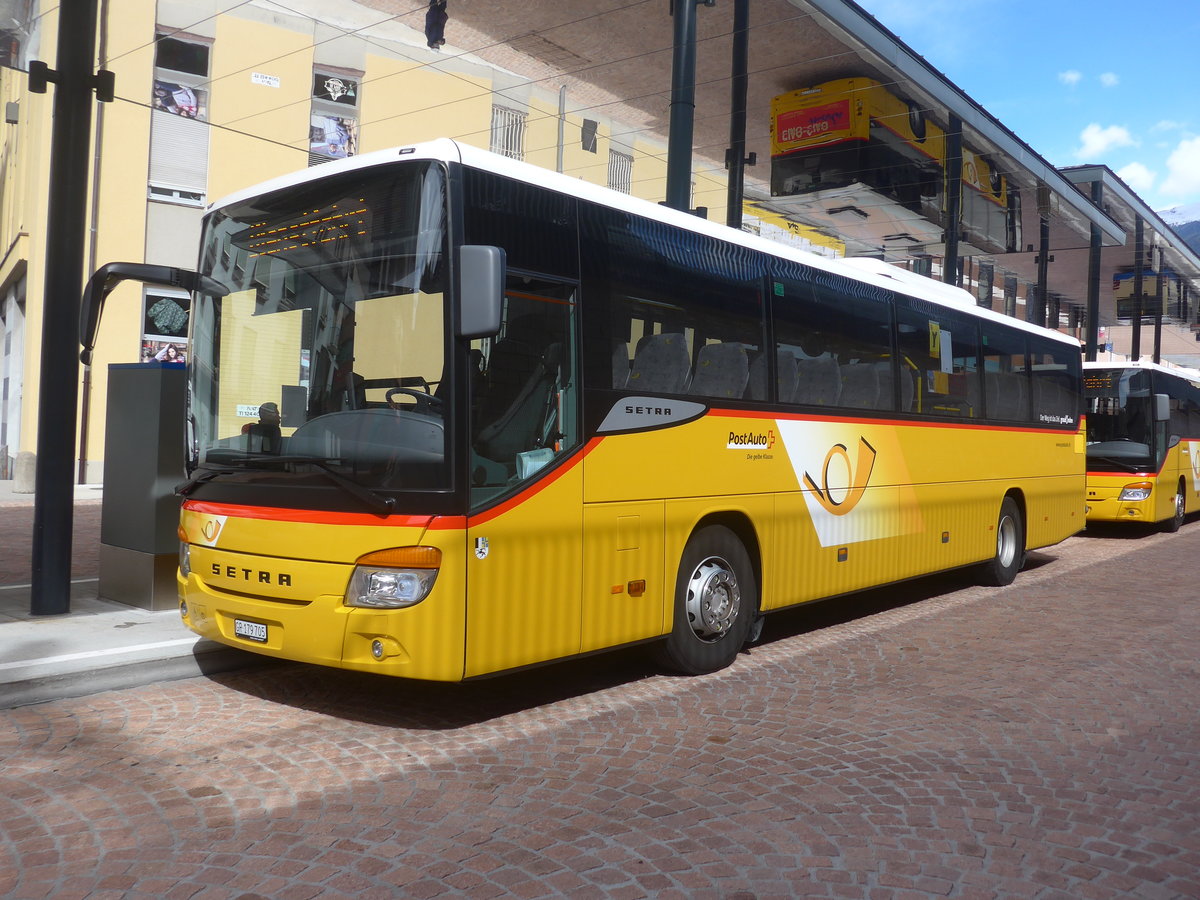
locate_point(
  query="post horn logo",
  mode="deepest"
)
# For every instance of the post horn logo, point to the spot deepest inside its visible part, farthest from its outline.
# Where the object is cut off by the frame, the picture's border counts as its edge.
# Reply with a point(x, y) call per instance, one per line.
point(841, 500)
point(211, 529)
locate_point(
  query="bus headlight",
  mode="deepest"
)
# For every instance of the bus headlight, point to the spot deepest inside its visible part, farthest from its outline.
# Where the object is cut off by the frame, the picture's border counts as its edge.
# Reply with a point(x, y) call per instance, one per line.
point(1138, 491)
point(393, 579)
point(185, 559)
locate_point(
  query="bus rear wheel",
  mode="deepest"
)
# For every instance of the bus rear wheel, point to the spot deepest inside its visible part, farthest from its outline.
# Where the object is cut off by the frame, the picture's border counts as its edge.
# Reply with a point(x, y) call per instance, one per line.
point(716, 600)
point(1173, 524)
point(1002, 568)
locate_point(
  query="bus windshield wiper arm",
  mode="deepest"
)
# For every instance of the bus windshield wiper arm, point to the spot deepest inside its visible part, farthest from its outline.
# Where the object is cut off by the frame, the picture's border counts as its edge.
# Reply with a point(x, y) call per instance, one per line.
point(200, 477)
point(1124, 464)
point(383, 505)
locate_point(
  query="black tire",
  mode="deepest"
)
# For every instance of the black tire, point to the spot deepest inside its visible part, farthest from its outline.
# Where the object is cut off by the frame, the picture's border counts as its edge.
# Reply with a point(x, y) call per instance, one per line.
point(716, 601)
point(1173, 524)
point(1002, 568)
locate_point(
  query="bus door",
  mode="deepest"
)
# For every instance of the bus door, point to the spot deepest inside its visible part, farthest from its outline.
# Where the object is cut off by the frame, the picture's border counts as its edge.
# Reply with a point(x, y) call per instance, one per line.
point(525, 531)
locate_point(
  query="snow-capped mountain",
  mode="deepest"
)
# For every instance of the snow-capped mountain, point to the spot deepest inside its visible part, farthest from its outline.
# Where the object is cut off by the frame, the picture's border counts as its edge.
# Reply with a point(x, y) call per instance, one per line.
point(1185, 220)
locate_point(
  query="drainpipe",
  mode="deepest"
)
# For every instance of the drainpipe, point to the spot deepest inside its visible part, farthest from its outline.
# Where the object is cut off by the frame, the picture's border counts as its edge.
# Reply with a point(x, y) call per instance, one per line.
point(89, 264)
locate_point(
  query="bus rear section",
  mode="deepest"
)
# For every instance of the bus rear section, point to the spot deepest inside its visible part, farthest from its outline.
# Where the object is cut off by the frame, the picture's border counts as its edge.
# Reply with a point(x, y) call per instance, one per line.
point(1143, 444)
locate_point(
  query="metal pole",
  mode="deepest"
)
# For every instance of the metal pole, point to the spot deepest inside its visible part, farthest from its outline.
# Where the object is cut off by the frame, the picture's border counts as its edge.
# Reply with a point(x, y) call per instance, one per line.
point(1092, 338)
point(737, 113)
point(1043, 272)
point(562, 120)
point(1158, 305)
point(953, 198)
point(1139, 249)
point(683, 107)
point(58, 399)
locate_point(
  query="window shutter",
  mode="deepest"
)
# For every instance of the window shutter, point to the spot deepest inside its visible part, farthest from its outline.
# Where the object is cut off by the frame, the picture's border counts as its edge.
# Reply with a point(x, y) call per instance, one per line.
point(178, 152)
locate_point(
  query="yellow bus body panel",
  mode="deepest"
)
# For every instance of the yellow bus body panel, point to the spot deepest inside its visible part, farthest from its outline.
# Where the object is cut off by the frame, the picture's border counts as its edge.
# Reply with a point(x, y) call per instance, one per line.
point(587, 558)
point(924, 508)
point(523, 577)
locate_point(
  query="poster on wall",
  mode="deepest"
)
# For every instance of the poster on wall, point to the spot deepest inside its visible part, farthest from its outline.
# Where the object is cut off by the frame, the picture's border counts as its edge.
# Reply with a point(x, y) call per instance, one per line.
point(335, 89)
point(334, 137)
point(165, 327)
point(180, 100)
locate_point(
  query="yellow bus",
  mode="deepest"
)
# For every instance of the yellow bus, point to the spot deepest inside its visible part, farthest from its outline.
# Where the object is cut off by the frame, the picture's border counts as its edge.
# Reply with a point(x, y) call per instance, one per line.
point(451, 415)
point(1143, 450)
point(856, 132)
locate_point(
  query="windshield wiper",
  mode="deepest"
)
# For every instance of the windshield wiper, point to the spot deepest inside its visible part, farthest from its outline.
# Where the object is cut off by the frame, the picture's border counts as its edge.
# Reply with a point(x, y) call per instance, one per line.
point(200, 477)
point(380, 504)
point(1128, 466)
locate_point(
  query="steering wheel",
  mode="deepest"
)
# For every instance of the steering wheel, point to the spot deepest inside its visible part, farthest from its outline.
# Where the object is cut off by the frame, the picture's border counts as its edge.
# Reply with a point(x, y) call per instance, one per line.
point(426, 402)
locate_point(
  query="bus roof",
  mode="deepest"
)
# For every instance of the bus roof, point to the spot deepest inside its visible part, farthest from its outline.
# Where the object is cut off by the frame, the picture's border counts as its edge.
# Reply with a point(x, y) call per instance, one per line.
point(871, 271)
point(1178, 371)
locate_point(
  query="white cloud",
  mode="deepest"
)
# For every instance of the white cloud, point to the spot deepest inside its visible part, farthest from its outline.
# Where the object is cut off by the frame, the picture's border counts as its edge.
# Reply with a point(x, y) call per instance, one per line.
point(1137, 176)
point(1167, 125)
point(1071, 77)
point(1183, 171)
point(1109, 79)
point(1096, 141)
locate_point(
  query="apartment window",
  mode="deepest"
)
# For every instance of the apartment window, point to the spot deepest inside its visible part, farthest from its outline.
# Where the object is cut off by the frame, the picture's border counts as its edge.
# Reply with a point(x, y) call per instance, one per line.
point(620, 171)
point(333, 126)
point(178, 129)
point(508, 132)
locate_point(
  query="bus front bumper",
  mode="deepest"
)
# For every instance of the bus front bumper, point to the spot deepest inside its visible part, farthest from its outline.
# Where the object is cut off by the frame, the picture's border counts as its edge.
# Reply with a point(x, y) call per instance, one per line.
point(232, 600)
point(1108, 502)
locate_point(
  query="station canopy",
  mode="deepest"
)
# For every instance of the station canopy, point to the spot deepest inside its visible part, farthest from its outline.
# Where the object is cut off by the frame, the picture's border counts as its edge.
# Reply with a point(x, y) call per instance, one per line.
point(615, 63)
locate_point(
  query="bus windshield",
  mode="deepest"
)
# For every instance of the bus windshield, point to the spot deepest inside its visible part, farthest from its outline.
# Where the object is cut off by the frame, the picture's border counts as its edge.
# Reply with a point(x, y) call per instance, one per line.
point(1120, 425)
point(326, 361)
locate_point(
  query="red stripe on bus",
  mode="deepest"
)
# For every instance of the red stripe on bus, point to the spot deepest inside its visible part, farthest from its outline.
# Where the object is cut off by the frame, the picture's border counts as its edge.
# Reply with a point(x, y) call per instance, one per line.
point(317, 516)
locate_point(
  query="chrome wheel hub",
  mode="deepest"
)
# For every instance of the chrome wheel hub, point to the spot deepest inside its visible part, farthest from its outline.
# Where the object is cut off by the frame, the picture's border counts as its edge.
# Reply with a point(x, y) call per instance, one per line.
point(1006, 542)
point(713, 599)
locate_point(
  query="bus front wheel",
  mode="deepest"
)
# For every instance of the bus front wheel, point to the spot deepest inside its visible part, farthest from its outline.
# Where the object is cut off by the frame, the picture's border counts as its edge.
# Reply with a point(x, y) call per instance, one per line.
point(716, 600)
point(1173, 524)
point(1002, 568)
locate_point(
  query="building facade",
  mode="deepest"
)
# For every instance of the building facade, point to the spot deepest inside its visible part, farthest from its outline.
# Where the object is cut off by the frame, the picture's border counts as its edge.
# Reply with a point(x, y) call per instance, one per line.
point(209, 102)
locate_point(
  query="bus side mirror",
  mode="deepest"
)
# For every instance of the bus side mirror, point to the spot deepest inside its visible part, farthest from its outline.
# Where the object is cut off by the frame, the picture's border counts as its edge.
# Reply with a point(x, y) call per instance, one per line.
point(480, 290)
point(1162, 408)
point(108, 276)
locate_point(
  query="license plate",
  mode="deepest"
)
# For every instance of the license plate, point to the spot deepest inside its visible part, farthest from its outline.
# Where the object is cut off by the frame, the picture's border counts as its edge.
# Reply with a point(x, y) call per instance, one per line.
point(251, 631)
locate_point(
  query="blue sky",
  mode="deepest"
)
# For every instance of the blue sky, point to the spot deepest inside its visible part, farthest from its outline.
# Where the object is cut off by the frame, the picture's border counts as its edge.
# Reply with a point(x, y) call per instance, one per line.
point(1079, 81)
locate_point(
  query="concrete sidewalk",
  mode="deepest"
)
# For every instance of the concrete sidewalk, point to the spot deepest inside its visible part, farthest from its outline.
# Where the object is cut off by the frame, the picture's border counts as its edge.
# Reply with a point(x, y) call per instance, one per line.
point(99, 645)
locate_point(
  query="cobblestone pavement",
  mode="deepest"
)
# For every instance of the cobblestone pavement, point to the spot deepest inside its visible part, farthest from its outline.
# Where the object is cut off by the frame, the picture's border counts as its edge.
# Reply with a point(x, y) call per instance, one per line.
point(16, 541)
point(939, 739)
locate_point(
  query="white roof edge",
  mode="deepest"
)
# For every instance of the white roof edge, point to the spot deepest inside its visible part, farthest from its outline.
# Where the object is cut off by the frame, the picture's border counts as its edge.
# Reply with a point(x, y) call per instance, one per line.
point(1182, 371)
point(449, 150)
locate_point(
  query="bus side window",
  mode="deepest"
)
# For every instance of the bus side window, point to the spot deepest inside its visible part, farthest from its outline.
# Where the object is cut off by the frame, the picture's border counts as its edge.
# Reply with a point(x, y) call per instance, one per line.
point(1005, 374)
point(840, 339)
point(1053, 369)
point(941, 351)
